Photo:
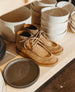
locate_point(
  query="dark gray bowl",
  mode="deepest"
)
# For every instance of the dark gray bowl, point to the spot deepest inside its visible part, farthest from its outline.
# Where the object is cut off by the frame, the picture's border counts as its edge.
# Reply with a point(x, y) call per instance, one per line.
point(21, 73)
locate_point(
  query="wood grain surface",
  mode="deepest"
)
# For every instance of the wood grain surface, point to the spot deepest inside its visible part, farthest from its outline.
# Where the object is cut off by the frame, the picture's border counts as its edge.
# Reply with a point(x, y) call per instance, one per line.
point(63, 81)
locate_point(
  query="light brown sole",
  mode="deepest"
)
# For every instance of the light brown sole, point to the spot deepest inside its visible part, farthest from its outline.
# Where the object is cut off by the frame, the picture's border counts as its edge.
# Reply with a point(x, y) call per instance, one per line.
point(42, 64)
point(58, 52)
point(20, 53)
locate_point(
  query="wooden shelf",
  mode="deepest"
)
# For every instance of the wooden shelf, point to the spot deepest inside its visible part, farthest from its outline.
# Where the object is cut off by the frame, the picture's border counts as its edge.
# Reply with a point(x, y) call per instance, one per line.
point(7, 6)
point(68, 44)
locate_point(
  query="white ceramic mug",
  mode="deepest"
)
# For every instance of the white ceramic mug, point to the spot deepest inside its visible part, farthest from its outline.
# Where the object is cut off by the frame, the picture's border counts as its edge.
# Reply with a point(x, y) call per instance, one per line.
point(13, 22)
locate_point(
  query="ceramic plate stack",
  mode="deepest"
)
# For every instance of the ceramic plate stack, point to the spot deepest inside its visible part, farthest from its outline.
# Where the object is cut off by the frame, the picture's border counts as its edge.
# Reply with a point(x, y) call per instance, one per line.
point(2, 48)
point(72, 22)
point(54, 22)
point(36, 10)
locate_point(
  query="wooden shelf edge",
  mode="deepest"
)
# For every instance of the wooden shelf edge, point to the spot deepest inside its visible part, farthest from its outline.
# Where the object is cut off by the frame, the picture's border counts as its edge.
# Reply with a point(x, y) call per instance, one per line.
point(48, 72)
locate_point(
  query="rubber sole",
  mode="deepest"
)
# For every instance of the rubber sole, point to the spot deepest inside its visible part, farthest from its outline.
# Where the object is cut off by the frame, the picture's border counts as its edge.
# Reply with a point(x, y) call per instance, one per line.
point(43, 64)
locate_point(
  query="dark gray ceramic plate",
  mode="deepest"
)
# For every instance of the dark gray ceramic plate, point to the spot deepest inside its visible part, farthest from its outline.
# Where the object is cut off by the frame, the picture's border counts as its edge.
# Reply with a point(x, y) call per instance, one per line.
point(2, 47)
point(21, 73)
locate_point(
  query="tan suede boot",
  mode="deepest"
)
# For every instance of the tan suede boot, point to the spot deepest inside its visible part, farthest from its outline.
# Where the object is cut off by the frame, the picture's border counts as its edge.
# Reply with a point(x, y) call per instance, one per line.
point(51, 46)
point(35, 49)
point(55, 48)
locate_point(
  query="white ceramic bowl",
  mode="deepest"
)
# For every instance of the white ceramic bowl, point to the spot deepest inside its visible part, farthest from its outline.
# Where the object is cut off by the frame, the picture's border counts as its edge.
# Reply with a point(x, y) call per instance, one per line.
point(37, 6)
point(67, 5)
point(55, 28)
point(54, 14)
point(57, 37)
point(45, 3)
point(13, 22)
point(62, 3)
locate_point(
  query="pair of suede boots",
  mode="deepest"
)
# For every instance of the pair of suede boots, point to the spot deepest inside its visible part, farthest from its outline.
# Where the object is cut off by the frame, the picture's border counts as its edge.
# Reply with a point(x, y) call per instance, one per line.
point(35, 44)
point(2, 47)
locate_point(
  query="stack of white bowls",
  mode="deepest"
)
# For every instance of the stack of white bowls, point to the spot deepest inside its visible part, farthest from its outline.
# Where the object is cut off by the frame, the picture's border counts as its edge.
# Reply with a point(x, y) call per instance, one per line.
point(36, 10)
point(54, 22)
point(72, 22)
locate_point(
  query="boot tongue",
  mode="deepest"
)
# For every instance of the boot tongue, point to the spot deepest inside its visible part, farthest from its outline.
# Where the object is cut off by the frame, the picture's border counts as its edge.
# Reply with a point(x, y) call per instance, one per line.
point(44, 39)
point(29, 43)
point(36, 47)
point(47, 41)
